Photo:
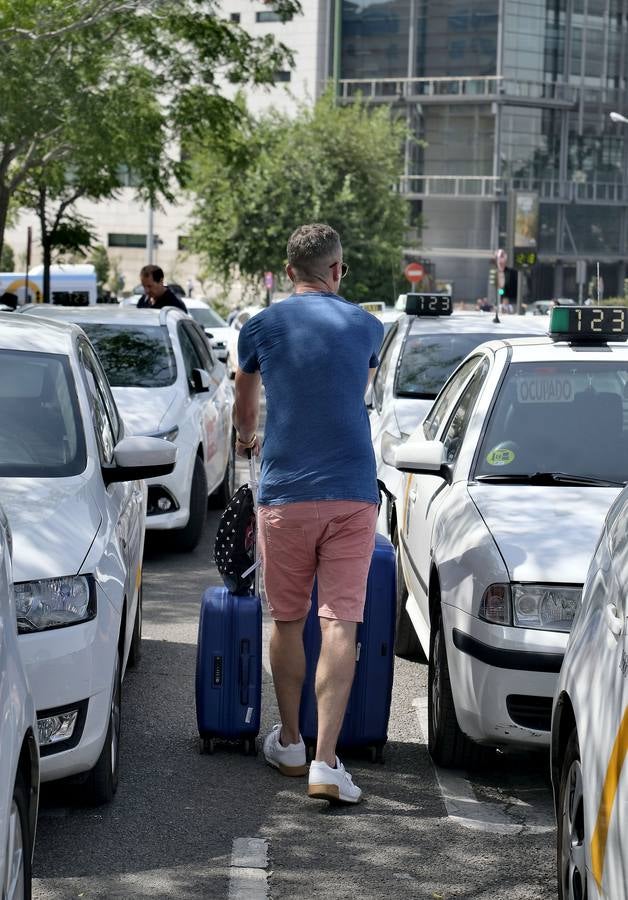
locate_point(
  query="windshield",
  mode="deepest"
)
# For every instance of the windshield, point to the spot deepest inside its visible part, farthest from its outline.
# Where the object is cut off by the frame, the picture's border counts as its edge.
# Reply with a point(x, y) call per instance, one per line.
point(42, 432)
point(133, 355)
point(207, 317)
point(428, 360)
point(566, 418)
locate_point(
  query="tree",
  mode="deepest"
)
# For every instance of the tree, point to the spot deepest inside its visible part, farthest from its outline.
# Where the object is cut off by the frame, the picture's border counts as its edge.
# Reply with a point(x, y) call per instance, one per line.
point(99, 258)
point(68, 66)
point(7, 259)
point(331, 163)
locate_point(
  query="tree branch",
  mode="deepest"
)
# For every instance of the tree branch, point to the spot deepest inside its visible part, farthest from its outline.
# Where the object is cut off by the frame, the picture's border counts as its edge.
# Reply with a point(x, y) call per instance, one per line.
point(102, 9)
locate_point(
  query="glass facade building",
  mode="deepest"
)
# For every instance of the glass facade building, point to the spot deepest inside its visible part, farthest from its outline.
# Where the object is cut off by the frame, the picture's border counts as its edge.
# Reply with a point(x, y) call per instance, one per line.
point(503, 95)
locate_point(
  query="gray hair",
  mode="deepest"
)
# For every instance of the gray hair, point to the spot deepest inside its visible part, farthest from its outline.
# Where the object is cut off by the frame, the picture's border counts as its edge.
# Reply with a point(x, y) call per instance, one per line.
point(311, 246)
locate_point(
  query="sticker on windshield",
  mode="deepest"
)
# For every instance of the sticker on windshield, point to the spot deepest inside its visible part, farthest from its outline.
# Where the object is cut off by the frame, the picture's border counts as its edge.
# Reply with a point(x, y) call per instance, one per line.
point(545, 389)
point(500, 456)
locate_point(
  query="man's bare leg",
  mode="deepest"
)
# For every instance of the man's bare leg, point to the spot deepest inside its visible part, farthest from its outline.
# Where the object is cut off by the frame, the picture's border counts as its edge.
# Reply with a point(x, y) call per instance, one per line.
point(334, 677)
point(287, 661)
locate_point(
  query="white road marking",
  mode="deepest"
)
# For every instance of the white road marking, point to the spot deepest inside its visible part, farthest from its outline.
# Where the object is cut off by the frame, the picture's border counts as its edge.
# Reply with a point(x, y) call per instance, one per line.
point(248, 874)
point(461, 803)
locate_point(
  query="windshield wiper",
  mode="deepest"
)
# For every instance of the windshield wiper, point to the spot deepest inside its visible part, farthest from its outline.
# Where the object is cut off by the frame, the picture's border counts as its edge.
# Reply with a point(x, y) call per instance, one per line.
point(544, 478)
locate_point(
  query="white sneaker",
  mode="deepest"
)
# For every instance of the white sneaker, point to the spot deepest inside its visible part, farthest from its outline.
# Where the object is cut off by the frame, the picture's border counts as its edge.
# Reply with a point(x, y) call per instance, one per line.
point(290, 760)
point(330, 784)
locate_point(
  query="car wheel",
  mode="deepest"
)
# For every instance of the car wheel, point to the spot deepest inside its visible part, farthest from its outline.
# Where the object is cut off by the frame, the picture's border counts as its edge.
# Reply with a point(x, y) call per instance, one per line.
point(135, 650)
point(571, 842)
point(102, 781)
point(187, 538)
point(406, 640)
point(223, 494)
point(447, 744)
point(17, 873)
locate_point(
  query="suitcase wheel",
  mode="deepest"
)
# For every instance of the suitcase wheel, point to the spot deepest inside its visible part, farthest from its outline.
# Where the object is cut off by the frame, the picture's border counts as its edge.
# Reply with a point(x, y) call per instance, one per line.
point(249, 747)
point(376, 753)
point(310, 750)
point(208, 745)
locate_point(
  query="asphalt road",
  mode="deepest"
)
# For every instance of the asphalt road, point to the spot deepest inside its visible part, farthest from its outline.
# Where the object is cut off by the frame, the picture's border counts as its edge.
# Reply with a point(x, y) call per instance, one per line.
point(170, 831)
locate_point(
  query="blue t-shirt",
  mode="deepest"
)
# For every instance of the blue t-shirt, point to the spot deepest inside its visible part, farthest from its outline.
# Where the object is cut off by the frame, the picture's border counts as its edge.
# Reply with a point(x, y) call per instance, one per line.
point(314, 352)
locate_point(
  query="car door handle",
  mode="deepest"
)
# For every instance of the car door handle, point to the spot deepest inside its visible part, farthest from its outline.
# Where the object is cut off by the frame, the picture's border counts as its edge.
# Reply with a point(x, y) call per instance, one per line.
point(614, 622)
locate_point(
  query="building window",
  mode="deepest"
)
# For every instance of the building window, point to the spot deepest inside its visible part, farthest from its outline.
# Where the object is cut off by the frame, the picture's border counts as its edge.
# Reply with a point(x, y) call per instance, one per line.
point(281, 75)
point(127, 240)
point(267, 16)
point(235, 17)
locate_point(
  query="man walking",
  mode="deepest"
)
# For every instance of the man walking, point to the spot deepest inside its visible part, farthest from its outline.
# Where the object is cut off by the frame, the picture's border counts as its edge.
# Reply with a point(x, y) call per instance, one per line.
point(156, 294)
point(317, 505)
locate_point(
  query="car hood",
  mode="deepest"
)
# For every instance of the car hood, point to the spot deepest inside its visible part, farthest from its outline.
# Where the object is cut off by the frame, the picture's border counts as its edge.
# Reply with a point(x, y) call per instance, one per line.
point(220, 333)
point(143, 409)
point(544, 533)
point(53, 521)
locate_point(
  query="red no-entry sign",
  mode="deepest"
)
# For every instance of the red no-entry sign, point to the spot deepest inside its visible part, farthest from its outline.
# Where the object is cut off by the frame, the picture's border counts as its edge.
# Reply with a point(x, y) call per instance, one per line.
point(414, 272)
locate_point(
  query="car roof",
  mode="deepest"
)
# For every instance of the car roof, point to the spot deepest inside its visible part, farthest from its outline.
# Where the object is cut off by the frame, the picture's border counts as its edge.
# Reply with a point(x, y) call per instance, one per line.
point(547, 350)
point(42, 335)
point(475, 322)
point(105, 314)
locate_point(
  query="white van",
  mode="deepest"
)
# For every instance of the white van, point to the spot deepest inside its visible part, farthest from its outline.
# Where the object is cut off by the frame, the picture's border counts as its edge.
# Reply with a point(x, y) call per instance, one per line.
point(70, 285)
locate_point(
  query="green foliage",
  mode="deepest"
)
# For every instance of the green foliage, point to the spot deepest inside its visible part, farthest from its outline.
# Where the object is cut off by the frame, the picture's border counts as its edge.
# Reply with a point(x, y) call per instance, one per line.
point(92, 87)
point(99, 258)
point(7, 259)
point(336, 164)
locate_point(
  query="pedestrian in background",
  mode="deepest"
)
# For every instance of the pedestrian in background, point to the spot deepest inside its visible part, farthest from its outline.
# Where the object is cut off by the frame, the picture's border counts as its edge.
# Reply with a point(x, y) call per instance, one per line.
point(156, 294)
point(318, 498)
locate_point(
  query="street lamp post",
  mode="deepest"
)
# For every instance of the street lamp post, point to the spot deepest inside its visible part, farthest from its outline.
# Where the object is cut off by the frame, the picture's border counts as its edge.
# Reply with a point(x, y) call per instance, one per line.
point(618, 119)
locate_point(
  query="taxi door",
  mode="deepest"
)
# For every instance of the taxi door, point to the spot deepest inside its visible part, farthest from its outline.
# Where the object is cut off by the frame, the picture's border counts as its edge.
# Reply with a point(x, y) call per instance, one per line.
point(425, 493)
point(607, 740)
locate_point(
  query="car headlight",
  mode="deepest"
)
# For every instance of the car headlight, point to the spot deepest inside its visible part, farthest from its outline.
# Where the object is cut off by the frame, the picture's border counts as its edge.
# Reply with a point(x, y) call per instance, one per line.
point(390, 442)
point(169, 435)
point(549, 607)
point(54, 602)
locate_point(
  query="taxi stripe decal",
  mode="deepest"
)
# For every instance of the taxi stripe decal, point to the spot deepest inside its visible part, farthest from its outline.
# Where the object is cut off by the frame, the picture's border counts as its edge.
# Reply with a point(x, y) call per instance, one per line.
point(609, 792)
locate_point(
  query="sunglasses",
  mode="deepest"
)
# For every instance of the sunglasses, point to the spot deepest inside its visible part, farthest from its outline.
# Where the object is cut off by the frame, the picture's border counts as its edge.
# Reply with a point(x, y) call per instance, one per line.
point(344, 268)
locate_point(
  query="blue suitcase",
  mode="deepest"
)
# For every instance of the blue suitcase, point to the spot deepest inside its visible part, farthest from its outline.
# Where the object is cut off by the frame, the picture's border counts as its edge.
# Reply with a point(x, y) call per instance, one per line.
point(229, 669)
point(365, 724)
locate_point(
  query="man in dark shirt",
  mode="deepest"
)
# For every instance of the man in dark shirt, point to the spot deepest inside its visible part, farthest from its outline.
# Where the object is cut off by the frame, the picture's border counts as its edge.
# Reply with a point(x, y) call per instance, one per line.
point(156, 294)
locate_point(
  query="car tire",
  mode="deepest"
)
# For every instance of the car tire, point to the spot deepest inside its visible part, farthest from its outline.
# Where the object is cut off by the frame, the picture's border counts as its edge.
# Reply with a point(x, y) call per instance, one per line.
point(18, 853)
point(447, 744)
point(406, 641)
point(223, 494)
point(570, 837)
point(135, 650)
point(185, 539)
point(102, 781)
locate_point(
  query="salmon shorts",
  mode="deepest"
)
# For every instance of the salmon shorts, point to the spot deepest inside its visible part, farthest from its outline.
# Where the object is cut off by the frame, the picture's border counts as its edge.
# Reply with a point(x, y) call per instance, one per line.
point(330, 539)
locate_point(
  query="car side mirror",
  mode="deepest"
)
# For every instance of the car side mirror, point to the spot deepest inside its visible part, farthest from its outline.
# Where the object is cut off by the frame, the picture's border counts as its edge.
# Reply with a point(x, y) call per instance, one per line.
point(208, 333)
point(138, 457)
point(423, 458)
point(200, 381)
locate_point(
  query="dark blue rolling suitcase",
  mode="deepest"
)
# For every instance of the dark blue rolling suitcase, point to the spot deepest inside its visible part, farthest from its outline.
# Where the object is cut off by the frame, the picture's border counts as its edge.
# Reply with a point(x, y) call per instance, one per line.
point(229, 669)
point(366, 720)
point(229, 651)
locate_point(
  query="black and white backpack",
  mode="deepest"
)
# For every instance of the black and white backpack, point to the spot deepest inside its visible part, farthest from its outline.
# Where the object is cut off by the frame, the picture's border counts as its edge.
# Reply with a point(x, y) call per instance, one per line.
point(234, 547)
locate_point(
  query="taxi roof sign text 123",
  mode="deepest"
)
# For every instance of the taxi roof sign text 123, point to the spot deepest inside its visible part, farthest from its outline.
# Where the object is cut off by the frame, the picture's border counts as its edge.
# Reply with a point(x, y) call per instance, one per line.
point(589, 323)
point(428, 304)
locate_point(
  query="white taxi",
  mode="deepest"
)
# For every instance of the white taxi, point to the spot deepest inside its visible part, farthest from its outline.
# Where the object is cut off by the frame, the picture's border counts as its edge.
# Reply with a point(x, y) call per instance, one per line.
point(590, 728)
point(70, 484)
point(167, 383)
point(19, 754)
point(509, 479)
point(421, 349)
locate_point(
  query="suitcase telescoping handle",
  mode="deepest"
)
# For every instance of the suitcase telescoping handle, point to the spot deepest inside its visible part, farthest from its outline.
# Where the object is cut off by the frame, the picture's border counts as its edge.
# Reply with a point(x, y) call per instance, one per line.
point(254, 485)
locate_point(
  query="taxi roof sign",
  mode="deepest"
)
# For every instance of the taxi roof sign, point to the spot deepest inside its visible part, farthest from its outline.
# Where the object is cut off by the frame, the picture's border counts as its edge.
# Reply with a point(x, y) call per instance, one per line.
point(373, 306)
point(586, 324)
point(428, 304)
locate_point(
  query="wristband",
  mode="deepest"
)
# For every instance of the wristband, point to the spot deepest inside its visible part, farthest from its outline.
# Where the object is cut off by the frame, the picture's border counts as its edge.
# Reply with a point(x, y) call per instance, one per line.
point(248, 444)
